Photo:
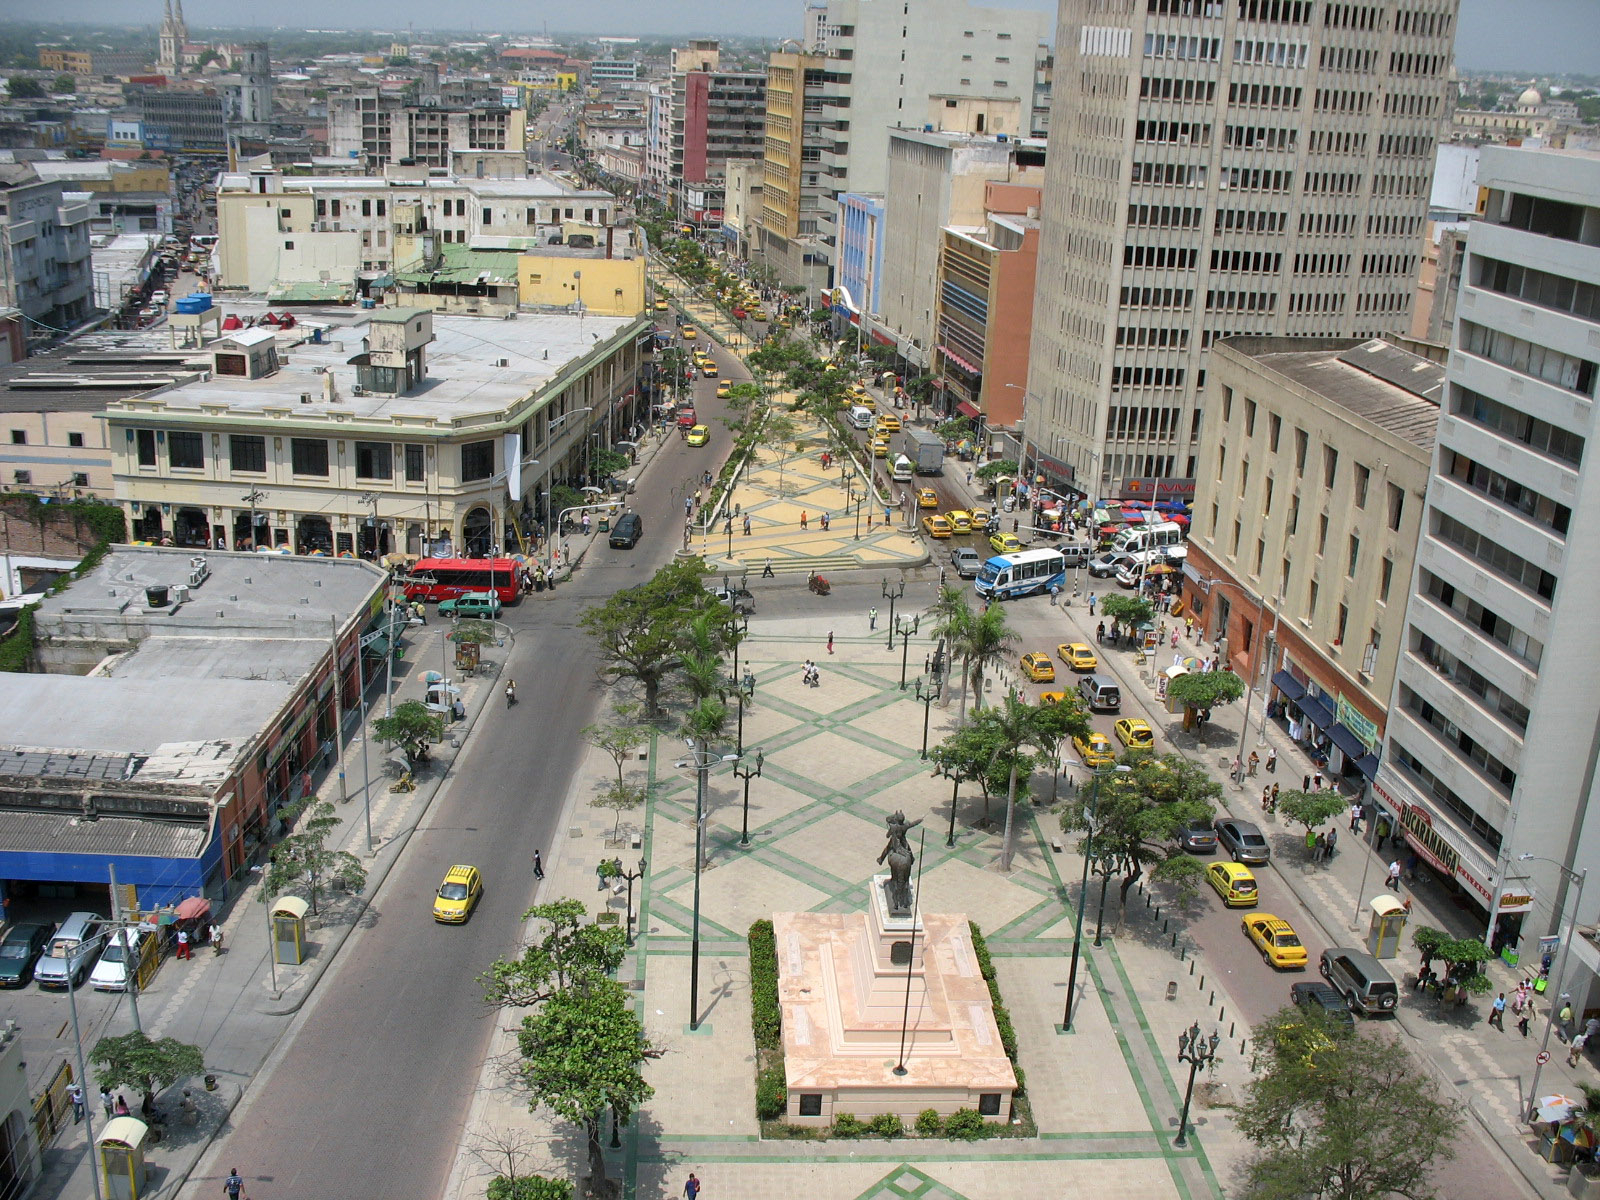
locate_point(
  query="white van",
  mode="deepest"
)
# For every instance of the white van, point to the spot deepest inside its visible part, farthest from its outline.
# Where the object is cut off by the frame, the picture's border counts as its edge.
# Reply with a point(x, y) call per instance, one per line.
point(1148, 537)
point(902, 471)
point(861, 417)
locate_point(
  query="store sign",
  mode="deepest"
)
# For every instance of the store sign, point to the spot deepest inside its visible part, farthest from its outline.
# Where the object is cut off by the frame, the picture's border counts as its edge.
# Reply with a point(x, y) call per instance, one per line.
point(1516, 900)
point(1148, 487)
point(1350, 717)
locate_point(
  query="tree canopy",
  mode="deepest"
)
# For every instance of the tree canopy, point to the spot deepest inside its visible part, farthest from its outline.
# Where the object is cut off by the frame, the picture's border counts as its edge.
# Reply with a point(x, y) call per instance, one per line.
point(1311, 809)
point(570, 951)
point(1365, 1122)
point(1198, 690)
point(303, 856)
point(134, 1060)
point(1126, 610)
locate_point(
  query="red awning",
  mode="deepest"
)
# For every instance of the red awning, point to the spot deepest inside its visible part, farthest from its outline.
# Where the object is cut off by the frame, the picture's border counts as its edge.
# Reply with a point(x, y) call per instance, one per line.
point(959, 361)
point(193, 908)
point(968, 409)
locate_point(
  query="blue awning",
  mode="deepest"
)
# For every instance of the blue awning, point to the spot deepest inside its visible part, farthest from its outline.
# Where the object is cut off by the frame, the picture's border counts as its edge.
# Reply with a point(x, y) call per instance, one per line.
point(1369, 765)
point(1288, 685)
point(1317, 711)
point(1346, 741)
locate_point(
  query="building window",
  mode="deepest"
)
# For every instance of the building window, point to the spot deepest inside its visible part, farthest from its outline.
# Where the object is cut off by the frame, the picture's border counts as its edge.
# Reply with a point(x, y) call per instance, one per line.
point(414, 469)
point(19, 437)
point(23, 478)
point(1311, 602)
point(1385, 578)
point(80, 479)
point(1355, 553)
point(1397, 506)
point(246, 452)
point(309, 456)
point(1322, 534)
point(1301, 444)
point(477, 461)
point(989, 1104)
point(1330, 466)
point(1274, 429)
point(810, 1104)
point(1339, 625)
point(1227, 404)
point(1249, 417)
point(145, 440)
point(185, 451)
point(75, 439)
point(487, 215)
point(1363, 477)
point(374, 460)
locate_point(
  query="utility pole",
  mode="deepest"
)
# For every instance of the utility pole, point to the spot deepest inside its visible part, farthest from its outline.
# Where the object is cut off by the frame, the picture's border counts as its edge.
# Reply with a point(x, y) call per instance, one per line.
point(130, 961)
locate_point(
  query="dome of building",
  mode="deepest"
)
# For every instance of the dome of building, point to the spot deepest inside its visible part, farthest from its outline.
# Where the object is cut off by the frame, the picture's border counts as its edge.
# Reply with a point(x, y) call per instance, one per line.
point(1530, 98)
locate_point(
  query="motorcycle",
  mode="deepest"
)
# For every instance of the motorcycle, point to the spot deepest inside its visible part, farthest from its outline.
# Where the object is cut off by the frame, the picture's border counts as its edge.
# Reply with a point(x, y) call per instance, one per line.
point(511, 694)
point(819, 585)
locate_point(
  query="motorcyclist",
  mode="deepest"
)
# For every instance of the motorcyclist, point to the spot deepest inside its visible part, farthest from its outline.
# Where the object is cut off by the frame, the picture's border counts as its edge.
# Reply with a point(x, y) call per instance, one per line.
point(511, 692)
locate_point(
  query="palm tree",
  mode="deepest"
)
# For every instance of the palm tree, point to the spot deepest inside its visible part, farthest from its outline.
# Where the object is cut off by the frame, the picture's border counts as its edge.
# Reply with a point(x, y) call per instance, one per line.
point(1017, 724)
point(951, 615)
point(702, 660)
point(985, 641)
point(702, 723)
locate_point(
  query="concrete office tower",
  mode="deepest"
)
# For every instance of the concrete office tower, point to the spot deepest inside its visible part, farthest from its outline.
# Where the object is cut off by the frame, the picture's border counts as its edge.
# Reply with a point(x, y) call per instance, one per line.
point(1493, 744)
point(1219, 167)
point(870, 66)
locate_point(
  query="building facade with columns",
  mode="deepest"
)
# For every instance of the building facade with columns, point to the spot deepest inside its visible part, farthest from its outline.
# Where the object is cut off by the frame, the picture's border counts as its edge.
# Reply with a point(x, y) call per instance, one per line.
point(370, 433)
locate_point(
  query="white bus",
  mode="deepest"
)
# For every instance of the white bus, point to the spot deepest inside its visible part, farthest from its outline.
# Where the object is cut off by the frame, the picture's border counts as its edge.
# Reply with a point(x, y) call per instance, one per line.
point(1007, 576)
point(1138, 538)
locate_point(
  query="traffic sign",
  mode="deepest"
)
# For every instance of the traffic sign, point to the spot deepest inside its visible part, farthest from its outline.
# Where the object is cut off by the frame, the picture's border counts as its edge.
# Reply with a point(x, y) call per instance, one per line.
point(1544, 1057)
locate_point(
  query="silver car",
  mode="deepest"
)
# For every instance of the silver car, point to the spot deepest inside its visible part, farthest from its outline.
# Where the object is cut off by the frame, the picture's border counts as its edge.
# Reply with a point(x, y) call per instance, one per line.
point(967, 563)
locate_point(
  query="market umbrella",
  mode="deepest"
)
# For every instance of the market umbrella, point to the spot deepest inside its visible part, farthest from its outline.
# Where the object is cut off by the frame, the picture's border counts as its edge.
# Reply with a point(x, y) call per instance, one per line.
point(1160, 569)
point(1555, 1108)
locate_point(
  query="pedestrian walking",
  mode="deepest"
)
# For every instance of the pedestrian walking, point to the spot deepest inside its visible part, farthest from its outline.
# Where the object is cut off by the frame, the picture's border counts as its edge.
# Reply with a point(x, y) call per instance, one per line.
point(1522, 1022)
point(1382, 831)
point(1272, 760)
point(1055, 594)
point(688, 506)
point(1333, 841)
point(1091, 604)
point(766, 571)
point(538, 866)
point(823, 520)
point(75, 1094)
point(691, 1187)
point(1238, 770)
point(1274, 797)
point(830, 641)
point(1255, 761)
point(233, 1184)
point(106, 1101)
point(1497, 1012)
point(1573, 1054)
point(804, 518)
point(1174, 637)
point(1564, 1019)
point(747, 524)
point(183, 944)
point(1355, 818)
point(872, 619)
point(1188, 628)
point(122, 1107)
point(1394, 875)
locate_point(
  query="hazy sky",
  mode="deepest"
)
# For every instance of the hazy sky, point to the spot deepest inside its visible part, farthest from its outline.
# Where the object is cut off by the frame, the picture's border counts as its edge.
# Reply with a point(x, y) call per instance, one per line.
point(1536, 36)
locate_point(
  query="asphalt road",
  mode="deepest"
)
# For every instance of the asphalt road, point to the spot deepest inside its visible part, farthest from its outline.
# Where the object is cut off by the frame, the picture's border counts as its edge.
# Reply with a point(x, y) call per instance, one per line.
point(370, 1088)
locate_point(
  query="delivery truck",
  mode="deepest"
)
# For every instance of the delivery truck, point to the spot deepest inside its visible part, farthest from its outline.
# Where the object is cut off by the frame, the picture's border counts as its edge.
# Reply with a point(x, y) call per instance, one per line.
point(925, 450)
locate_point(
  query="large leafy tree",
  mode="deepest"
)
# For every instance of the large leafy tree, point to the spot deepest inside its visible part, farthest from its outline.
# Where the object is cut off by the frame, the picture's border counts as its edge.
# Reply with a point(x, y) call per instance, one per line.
point(1204, 690)
point(1131, 611)
point(411, 726)
point(583, 1054)
point(303, 858)
point(569, 951)
point(134, 1060)
point(1362, 1121)
point(640, 630)
point(1018, 724)
point(1136, 815)
point(1311, 809)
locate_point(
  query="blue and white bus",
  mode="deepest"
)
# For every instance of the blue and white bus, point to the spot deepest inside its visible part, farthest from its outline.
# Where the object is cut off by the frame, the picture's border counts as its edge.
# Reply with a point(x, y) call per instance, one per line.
point(1007, 576)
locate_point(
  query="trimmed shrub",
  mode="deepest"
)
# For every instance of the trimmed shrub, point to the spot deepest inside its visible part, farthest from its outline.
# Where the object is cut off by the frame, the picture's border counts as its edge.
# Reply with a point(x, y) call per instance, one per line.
point(966, 1124)
point(766, 1015)
point(930, 1123)
point(772, 1094)
point(845, 1125)
point(529, 1187)
point(887, 1125)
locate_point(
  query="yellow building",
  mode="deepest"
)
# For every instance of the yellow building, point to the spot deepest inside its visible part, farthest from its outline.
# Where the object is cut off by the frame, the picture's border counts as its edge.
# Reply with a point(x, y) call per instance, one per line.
point(611, 287)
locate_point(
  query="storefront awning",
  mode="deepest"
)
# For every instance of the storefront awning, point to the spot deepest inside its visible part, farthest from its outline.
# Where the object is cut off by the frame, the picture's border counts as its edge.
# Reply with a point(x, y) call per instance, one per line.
point(1317, 711)
point(1347, 742)
point(1288, 685)
point(959, 361)
point(1369, 765)
point(968, 409)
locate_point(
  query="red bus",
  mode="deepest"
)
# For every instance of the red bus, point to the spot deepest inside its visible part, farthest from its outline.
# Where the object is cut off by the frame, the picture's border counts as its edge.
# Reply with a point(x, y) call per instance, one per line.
point(446, 578)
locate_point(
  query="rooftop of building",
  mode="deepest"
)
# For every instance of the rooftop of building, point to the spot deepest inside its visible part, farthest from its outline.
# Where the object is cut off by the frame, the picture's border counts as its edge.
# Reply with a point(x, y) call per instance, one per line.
point(87, 372)
point(543, 186)
point(1373, 379)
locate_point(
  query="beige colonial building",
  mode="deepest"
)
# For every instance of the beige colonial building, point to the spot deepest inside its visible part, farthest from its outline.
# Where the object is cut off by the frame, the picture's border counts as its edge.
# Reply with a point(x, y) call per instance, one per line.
point(1314, 457)
point(370, 432)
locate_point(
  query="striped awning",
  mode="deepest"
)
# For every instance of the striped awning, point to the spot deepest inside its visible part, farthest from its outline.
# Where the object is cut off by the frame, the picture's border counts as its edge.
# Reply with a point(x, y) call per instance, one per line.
point(959, 361)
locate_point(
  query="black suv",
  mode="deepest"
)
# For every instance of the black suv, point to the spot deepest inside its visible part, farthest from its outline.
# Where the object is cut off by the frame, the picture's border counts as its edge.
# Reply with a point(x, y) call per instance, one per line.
point(1315, 995)
point(626, 532)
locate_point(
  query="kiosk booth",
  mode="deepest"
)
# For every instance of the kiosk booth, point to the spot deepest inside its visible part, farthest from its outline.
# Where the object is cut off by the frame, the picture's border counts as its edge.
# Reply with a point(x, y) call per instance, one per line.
point(1387, 924)
point(121, 1150)
point(289, 930)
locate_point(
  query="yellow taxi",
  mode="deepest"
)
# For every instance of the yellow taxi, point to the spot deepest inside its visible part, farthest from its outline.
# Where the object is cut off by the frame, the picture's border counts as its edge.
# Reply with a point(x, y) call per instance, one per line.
point(1036, 665)
point(1279, 944)
point(1135, 734)
point(708, 368)
point(888, 423)
point(857, 389)
point(880, 447)
point(1006, 543)
point(688, 333)
point(935, 525)
point(980, 518)
point(1095, 749)
point(960, 520)
point(1077, 655)
point(927, 498)
point(661, 306)
point(699, 435)
point(1051, 698)
point(1234, 883)
point(457, 895)
point(724, 389)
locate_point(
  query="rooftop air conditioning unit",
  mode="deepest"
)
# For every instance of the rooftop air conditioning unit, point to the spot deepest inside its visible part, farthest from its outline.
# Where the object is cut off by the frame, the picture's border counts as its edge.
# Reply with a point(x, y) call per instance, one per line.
point(180, 593)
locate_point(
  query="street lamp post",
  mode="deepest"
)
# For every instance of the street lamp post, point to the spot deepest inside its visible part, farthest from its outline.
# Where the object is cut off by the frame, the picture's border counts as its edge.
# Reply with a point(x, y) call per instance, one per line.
point(630, 876)
point(1089, 814)
point(905, 633)
point(956, 778)
point(254, 497)
point(739, 626)
point(927, 695)
point(747, 774)
point(702, 761)
point(856, 501)
point(1561, 970)
point(1198, 1052)
point(891, 596)
point(745, 689)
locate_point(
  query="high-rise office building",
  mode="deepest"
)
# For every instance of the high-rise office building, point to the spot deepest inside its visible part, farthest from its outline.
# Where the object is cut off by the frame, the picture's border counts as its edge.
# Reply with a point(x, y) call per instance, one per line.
point(1493, 744)
point(1220, 167)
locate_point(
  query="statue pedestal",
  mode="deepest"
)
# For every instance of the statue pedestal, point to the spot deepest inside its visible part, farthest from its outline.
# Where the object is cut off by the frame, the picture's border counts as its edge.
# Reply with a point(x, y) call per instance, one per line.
point(856, 987)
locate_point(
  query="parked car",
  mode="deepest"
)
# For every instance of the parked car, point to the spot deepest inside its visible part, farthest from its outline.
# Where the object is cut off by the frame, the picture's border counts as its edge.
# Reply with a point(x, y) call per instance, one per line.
point(1037, 667)
point(737, 598)
point(1104, 565)
point(125, 950)
point(471, 604)
point(1361, 979)
point(1243, 840)
point(1197, 837)
point(1316, 995)
point(21, 949)
point(967, 563)
point(70, 952)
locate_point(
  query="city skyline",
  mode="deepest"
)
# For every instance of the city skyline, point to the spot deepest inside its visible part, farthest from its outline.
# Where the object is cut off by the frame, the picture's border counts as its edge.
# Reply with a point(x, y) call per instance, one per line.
point(1539, 36)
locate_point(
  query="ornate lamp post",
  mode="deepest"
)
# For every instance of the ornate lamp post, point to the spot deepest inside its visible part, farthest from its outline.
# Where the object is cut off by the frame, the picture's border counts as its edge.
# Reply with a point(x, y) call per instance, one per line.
point(892, 595)
point(1197, 1052)
point(929, 689)
point(702, 761)
point(904, 632)
point(957, 778)
point(631, 876)
point(1083, 896)
point(747, 774)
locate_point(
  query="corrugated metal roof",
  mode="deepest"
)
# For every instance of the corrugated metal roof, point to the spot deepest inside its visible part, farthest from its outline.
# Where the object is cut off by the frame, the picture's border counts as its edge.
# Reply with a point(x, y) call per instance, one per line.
point(66, 833)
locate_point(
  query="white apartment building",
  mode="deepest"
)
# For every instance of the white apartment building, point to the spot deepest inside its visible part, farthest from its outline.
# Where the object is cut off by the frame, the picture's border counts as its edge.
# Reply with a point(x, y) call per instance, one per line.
point(1493, 744)
point(44, 253)
point(1219, 167)
point(387, 129)
point(877, 64)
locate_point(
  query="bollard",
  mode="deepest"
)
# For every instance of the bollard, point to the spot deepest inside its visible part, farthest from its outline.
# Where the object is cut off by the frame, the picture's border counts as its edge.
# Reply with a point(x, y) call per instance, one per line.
point(1163, 924)
point(1230, 1031)
point(1158, 916)
point(1183, 953)
point(1202, 983)
point(1147, 900)
point(1211, 1000)
point(1243, 1042)
point(1222, 1015)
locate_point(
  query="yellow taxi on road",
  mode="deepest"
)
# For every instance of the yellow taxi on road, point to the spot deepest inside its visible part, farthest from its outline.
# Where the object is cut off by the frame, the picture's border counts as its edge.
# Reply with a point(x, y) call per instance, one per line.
point(708, 368)
point(724, 389)
point(1051, 698)
point(927, 498)
point(699, 435)
point(935, 525)
point(1095, 749)
point(880, 447)
point(1279, 944)
point(1135, 734)
point(1077, 655)
point(857, 389)
point(888, 423)
point(457, 895)
point(960, 520)
point(1006, 543)
point(1036, 665)
point(1234, 883)
point(688, 333)
point(661, 306)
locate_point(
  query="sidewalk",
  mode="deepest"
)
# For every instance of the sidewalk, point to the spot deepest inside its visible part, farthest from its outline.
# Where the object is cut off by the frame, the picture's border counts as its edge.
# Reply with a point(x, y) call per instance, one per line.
point(1489, 1070)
